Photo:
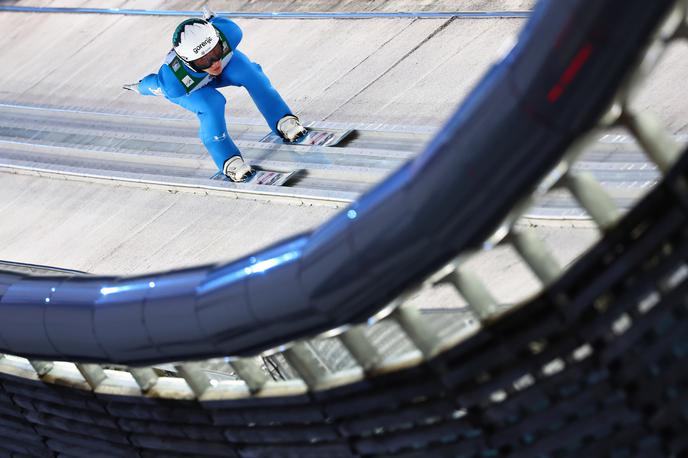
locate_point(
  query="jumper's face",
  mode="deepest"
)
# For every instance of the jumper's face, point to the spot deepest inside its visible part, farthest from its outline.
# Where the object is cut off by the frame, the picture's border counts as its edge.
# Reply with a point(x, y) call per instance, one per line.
point(211, 62)
point(215, 69)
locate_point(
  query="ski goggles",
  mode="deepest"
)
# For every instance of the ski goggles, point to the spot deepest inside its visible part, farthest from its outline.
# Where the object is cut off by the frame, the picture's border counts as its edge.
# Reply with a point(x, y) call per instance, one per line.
point(207, 61)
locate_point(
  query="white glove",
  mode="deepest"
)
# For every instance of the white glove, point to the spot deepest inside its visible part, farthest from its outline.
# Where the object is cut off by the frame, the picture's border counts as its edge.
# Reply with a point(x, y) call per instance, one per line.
point(132, 87)
point(208, 14)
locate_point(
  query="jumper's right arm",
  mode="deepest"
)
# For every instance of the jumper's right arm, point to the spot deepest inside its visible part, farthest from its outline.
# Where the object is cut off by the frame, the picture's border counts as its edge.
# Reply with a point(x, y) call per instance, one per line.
point(162, 83)
point(150, 85)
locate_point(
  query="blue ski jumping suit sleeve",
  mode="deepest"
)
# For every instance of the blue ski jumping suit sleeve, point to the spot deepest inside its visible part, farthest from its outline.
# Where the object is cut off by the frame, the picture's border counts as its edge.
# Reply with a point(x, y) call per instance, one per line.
point(230, 30)
point(163, 83)
point(207, 102)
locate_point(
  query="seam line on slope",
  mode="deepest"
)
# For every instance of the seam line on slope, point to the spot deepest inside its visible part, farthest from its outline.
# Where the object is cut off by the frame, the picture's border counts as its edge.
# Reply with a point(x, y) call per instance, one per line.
point(392, 67)
point(370, 55)
point(437, 65)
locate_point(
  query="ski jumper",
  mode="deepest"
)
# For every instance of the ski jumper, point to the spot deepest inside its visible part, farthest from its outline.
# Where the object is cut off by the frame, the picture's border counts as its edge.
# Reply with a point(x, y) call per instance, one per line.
point(197, 92)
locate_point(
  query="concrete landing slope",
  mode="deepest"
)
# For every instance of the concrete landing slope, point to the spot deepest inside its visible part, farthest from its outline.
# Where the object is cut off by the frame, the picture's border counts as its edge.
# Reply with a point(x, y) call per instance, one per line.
point(116, 229)
point(397, 71)
point(400, 71)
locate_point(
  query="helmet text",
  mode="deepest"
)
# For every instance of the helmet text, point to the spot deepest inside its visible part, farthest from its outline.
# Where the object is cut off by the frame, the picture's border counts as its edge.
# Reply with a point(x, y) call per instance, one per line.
point(203, 43)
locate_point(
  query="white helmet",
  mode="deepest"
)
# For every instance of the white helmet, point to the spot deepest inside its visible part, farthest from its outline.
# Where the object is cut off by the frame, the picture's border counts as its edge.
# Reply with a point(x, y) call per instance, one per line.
point(194, 38)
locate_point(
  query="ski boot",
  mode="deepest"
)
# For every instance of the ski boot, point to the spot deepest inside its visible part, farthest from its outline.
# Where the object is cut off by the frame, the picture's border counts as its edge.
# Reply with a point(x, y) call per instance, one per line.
point(290, 128)
point(236, 169)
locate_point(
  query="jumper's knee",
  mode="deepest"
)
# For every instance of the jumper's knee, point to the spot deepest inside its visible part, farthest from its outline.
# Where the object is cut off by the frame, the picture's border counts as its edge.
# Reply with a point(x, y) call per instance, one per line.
point(214, 137)
point(211, 114)
point(212, 102)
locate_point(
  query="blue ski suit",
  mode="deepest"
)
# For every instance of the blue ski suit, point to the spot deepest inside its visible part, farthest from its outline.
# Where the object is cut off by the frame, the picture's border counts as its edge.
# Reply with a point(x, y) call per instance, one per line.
point(197, 92)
